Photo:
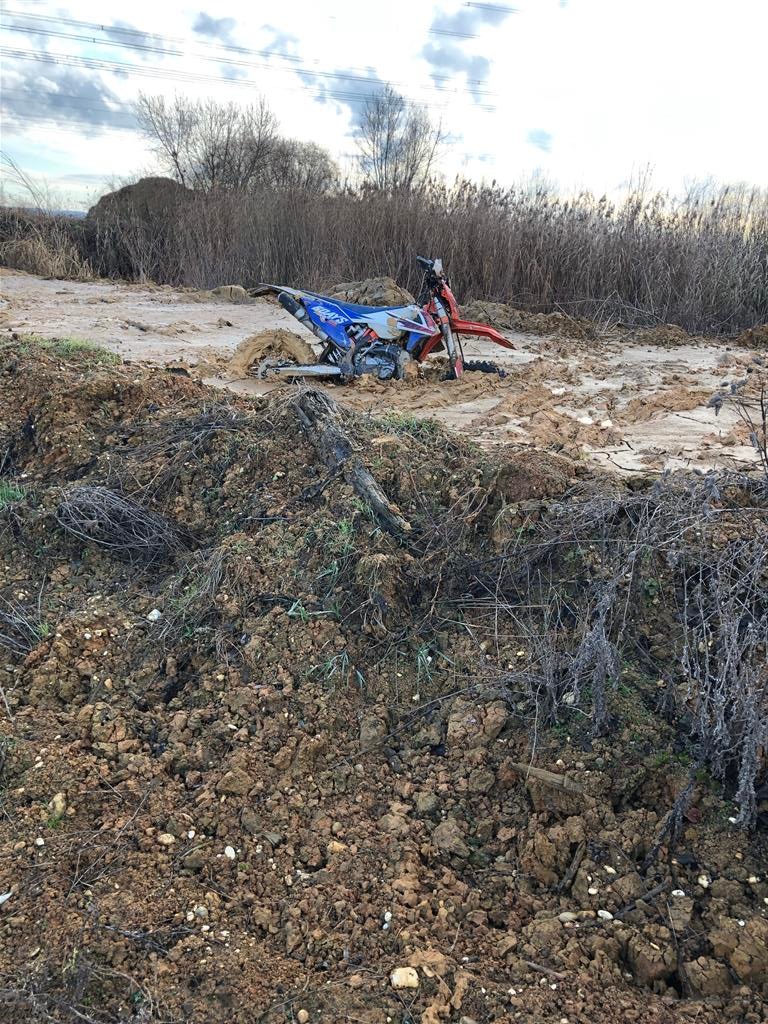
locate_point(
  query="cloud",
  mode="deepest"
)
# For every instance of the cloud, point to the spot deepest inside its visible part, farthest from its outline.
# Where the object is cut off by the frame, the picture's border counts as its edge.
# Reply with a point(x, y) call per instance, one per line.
point(540, 139)
point(232, 73)
point(447, 57)
point(63, 95)
point(146, 45)
point(215, 28)
point(344, 88)
point(283, 43)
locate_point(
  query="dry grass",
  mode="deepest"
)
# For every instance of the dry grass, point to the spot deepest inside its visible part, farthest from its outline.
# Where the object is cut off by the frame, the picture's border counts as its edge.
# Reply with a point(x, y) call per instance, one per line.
point(700, 261)
point(43, 246)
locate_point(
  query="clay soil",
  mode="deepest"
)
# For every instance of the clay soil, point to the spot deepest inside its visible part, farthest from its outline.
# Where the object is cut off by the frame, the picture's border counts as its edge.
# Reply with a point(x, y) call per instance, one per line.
point(256, 753)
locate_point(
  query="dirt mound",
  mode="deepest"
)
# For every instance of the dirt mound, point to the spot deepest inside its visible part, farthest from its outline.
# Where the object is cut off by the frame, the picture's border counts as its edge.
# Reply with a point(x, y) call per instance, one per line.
point(755, 337)
point(506, 317)
point(525, 475)
point(231, 293)
point(663, 336)
point(265, 756)
point(376, 291)
point(670, 399)
point(276, 343)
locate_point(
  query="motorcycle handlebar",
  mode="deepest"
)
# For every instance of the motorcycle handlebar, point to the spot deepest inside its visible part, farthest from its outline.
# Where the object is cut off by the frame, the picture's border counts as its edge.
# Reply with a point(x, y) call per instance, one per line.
point(424, 262)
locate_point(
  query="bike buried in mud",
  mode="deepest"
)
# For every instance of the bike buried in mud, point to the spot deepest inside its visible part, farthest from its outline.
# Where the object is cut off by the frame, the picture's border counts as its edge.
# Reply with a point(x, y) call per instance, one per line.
point(383, 340)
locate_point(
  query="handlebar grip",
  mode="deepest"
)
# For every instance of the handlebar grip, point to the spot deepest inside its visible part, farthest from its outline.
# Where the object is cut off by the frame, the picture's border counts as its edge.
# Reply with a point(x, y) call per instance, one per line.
point(424, 262)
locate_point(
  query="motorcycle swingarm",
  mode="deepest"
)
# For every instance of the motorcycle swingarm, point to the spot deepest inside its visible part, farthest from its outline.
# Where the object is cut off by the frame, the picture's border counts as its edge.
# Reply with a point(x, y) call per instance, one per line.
point(308, 370)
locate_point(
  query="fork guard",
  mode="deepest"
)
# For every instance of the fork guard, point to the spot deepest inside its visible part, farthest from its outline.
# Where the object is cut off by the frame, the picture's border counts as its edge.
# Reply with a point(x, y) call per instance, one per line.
point(482, 330)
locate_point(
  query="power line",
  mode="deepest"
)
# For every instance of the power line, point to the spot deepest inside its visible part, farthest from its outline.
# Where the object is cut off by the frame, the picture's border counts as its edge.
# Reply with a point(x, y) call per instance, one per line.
point(233, 47)
point(217, 59)
point(170, 74)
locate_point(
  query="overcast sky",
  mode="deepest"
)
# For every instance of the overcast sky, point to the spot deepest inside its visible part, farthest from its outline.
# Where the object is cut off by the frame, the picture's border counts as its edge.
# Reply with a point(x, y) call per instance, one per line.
point(584, 92)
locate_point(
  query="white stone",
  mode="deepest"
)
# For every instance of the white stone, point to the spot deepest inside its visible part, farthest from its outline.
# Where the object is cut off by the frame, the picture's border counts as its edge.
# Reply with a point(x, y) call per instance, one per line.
point(39, 841)
point(154, 615)
point(566, 916)
point(229, 852)
point(404, 977)
point(166, 839)
point(606, 915)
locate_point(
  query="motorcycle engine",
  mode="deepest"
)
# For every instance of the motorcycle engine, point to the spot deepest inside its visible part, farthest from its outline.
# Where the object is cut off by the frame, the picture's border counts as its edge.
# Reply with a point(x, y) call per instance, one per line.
point(385, 361)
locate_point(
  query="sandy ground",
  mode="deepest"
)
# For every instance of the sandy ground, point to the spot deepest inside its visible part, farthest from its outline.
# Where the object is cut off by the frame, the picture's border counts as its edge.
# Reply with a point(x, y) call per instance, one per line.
point(623, 404)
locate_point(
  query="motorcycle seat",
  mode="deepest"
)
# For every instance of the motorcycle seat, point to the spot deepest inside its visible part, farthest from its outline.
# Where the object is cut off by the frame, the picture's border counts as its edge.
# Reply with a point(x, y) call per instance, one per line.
point(406, 312)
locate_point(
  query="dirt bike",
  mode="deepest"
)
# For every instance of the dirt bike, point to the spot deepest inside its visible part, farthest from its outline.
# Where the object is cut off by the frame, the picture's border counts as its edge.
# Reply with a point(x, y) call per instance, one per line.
point(382, 340)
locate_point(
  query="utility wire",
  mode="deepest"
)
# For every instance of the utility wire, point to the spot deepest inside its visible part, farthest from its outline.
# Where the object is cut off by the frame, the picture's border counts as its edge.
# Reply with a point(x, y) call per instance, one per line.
point(214, 58)
point(170, 74)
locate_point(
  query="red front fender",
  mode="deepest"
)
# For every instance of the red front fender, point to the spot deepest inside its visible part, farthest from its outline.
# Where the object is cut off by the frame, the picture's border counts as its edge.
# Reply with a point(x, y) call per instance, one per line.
point(481, 330)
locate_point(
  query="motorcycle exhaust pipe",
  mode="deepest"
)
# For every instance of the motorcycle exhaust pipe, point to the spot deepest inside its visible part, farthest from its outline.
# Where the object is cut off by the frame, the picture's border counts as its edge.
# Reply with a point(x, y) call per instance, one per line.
point(290, 305)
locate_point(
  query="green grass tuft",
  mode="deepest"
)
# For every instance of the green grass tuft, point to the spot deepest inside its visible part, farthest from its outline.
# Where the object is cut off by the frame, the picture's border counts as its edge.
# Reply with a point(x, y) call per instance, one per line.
point(10, 493)
point(72, 348)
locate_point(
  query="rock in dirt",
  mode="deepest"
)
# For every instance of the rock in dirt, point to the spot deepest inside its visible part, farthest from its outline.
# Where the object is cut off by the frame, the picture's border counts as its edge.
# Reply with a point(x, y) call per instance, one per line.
point(449, 839)
point(234, 783)
point(404, 977)
point(707, 977)
point(58, 805)
point(373, 730)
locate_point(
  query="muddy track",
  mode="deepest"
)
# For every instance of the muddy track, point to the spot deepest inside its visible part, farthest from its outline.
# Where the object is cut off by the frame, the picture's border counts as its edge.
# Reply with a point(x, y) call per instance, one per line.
point(628, 401)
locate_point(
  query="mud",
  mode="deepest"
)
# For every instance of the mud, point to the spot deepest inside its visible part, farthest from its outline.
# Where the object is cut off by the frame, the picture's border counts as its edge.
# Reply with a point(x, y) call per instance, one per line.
point(630, 401)
point(275, 343)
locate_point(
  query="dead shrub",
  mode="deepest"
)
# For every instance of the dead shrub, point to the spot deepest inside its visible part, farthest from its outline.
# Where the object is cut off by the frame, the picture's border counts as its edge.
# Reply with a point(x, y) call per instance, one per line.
point(120, 525)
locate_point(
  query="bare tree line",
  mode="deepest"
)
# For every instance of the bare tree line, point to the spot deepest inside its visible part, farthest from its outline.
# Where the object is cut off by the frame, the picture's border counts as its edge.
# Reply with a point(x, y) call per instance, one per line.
point(207, 145)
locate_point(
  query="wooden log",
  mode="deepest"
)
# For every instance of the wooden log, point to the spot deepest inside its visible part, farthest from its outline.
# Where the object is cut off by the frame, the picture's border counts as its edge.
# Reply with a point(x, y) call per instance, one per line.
point(547, 778)
point(320, 417)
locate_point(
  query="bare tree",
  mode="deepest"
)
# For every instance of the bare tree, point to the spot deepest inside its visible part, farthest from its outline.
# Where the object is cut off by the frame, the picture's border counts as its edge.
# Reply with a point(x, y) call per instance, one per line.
point(302, 165)
point(398, 142)
point(206, 144)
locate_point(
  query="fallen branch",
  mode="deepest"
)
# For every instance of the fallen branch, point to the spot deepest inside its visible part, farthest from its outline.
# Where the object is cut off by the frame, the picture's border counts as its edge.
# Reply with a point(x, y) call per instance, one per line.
point(543, 969)
point(547, 778)
point(319, 416)
point(570, 874)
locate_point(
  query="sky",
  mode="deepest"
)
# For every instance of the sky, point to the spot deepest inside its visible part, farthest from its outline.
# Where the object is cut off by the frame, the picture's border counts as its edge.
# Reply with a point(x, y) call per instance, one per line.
point(583, 93)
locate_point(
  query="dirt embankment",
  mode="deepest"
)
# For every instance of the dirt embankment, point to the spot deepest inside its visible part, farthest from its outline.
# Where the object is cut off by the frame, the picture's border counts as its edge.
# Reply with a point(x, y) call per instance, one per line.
point(263, 760)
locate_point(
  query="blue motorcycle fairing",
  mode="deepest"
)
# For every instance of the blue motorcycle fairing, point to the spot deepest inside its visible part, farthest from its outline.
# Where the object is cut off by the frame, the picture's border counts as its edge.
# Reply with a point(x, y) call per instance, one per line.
point(331, 317)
